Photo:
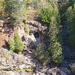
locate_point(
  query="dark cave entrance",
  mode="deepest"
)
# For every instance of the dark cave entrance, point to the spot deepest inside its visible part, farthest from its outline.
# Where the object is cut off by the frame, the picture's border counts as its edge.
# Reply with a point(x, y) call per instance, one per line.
point(36, 35)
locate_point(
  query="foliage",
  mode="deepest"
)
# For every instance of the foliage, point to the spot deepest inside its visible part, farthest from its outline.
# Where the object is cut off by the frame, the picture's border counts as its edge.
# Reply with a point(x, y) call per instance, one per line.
point(56, 52)
point(48, 11)
point(35, 4)
point(1, 7)
point(24, 13)
point(70, 19)
point(64, 4)
point(57, 15)
point(14, 8)
point(19, 70)
point(28, 70)
point(4, 54)
point(46, 14)
point(18, 42)
point(11, 45)
point(42, 54)
point(55, 47)
point(26, 26)
point(27, 29)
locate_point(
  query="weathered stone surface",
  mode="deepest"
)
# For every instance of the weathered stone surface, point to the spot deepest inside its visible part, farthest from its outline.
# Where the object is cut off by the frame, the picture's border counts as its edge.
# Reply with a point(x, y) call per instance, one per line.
point(12, 73)
point(73, 68)
point(1, 23)
point(34, 26)
point(29, 41)
point(22, 66)
point(14, 62)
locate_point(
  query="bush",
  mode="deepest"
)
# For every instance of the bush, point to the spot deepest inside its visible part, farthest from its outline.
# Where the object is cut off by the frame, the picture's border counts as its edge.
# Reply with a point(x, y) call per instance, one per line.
point(48, 11)
point(70, 20)
point(55, 47)
point(26, 26)
point(56, 52)
point(27, 29)
point(2, 7)
point(14, 8)
point(11, 45)
point(4, 54)
point(42, 54)
point(18, 42)
point(57, 15)
point(46, 14)
point(24, 13)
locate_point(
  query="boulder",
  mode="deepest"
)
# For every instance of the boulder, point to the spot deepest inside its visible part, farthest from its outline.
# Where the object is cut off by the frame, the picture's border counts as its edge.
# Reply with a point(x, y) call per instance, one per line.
point(29, 41)
point(73, 68)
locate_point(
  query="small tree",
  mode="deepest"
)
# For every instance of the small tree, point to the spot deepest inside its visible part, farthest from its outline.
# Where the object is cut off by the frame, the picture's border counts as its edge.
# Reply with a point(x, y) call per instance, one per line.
point(42, 54)
point(70, 20)
point(26, 26)
point(18, 42)
point(57, 15)
point(1, 7)
point(56, 52)
point(55, 48)
point(14, 8)
point(27, 29)
point(11, 45)
point(46, 13)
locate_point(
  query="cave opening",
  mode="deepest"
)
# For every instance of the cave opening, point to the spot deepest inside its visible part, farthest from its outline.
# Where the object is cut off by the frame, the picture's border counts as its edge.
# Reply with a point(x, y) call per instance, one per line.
point(36, 35)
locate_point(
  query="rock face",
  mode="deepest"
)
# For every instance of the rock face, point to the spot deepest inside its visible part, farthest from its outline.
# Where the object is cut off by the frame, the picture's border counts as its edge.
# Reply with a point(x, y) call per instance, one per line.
point(7, 31)
point(53, 71)
point(36, 26)
point(13, 73)
point(1, 25)
point(12, 61)
point(2, 42)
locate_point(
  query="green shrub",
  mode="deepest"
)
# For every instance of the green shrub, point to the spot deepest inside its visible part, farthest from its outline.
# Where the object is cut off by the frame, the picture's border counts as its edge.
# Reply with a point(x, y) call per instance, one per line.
point(24, 13)
point(15, 44)
point(42, 54)
point(18, 42)
point(28, 70)
point(2, 8)
point(26, 26)
point(57, 15)
point(27, 29)
point(48, 11)
point(11, 45)
point(55, 47)
point(70, 20)
point(46, 14)
point(4, 54)
point(14, 8)
point(56, 52)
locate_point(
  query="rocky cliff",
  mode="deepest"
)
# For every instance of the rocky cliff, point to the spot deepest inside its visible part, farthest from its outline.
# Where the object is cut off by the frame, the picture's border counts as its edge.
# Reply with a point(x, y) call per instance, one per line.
point(7, 31)
point(14, 64)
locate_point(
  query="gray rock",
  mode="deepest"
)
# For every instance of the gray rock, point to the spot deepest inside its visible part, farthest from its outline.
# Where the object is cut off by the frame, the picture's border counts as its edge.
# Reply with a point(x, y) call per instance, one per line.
point(22, 73)
point(2, 67)
point(28, 66)
point(72, 67)
point(64, 71)
point(10, 73)
point(15, 62)
point(22, 66)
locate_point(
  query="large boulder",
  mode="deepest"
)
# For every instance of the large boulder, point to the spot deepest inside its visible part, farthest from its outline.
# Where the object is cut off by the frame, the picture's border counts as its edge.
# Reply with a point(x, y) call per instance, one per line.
point(28, 40)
